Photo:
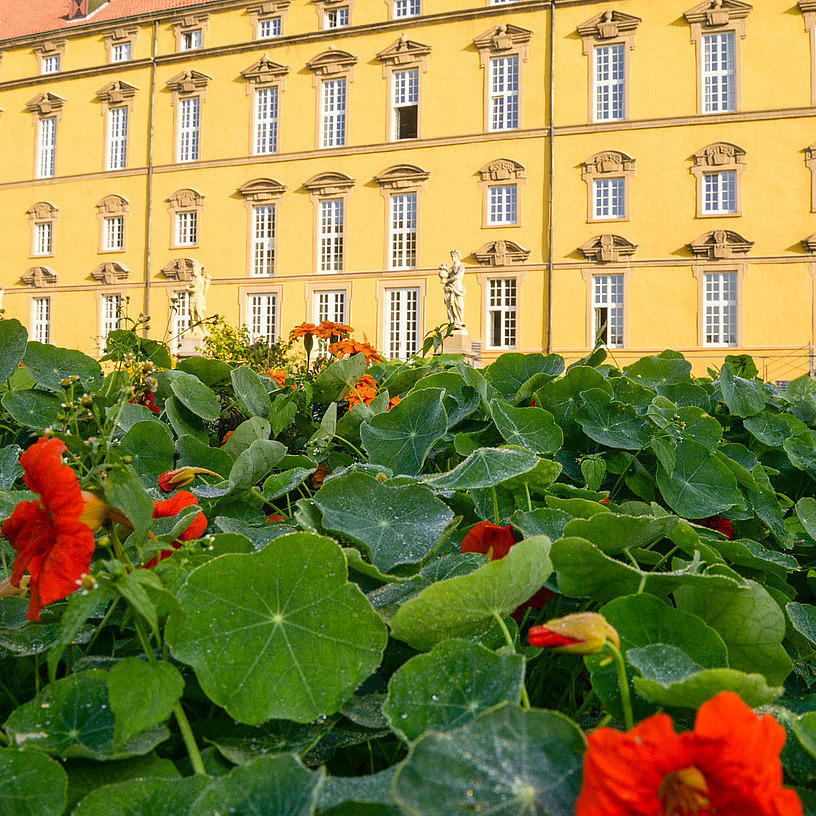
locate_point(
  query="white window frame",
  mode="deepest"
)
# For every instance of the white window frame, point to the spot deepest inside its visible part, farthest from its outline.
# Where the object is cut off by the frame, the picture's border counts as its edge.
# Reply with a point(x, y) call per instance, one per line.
point(609, 297)
point(186, 228)
point(332, 234)
point(264, 229)
point(329, 304)
point(718, 83)
point(266, 120)
point(339, 17)
point(262, 314)
point(504, 92)
point(110, 315)
point(118, 119)
point(47, 147)
point(403, 230)
point(41, 319)
point(113, 233)
point(402, 323)
point(270, 28)
point(50, 63)
point(121, 52)
point(182, 317)
point(404, 94)
point(43, 238)
point(333, 112)
point(720, 193)
point(191, 40)
point(609, 82)
point(407, 8)
point(502, 313)
point(502, 205)
point(189, 129)
point(609, 198)
point(721, 309)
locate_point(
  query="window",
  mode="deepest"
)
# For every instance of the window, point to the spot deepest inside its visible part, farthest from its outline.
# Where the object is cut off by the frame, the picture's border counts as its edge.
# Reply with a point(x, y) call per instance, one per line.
point(333, 124)
point(51, 64)
point(263, 240)
point(336, 18)
point(43, 238)
point(504, 93)
point(329, 305)
point(609, 199)
point(403, 322)
point(263, 317)
point(117, 138)
point(610, 82)
point(111, 314)
point(719, 72)
point(608, 310)
point(406, 103)
point(187, 228)
point(720, 193)
point(267, 29)
point(113, 233)
point(181, 317)
point(406, 8)
point(190, 40)
point(502, 312)
point(503, 205)
point(720, 308)
point(47, 148)
point(41, 319)
point(121, 52)
point(332, 219)
point(189, 128)
point(266, 120)
point(403, 231)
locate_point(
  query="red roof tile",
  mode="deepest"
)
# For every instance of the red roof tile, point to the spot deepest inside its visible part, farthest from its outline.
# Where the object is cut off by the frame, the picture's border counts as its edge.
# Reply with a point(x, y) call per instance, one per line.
point(19, 18)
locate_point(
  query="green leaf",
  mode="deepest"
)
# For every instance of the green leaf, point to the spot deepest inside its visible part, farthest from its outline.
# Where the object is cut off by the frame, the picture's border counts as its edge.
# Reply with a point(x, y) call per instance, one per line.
point(614, 533)
point(124, 491)
point(32, 408)
point(402, 437)
point(701, 485)
point(806, 511)
point(506, 762)
point(49, 366)
point(272, 786)
point(744, 398)
point(195, 396)
point(531, 428)
point(467, 605)
point(450, 686)
point(245, 434)
point(210, 372)
point(183, 421)
point(660, 370)
point(511, 371)
point(80, 608)
point(255, 463)
point(460, 400)
point(196, 454)
point(13, 337)
point(486, 467)
point(279, 484)
point(803, 619)
point(612, 423)
point(355, 790)
point(144, 797)
point(279, 633)
point(748, 620)
point(151, 446)
point(10, 468)
point(770, 429)
point(249, 389)
point(337, 379)
point(142, 695)
point(30, 784)
point(541, 521)
point(562, 397)
point(593, 469)
point(395, 525)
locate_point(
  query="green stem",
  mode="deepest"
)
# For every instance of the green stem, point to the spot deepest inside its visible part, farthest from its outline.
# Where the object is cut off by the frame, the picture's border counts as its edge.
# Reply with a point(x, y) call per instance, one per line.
point(529, 500)
point(623, 682)
point(350, 445)
point(495, 505)
point(101, 626)
point(525, 698)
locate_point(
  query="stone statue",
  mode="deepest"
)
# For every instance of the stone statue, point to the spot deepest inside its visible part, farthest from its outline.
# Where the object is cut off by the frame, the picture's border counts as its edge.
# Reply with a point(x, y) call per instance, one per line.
point(198, 288)
point(453, 280)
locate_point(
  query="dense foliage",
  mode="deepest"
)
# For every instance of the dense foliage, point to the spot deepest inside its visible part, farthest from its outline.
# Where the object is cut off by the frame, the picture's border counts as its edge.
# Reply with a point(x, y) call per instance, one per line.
point(306, 596)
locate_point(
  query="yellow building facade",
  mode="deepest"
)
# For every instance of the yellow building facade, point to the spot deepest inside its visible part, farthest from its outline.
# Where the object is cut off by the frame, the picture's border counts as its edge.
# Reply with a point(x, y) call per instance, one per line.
point(639, 171)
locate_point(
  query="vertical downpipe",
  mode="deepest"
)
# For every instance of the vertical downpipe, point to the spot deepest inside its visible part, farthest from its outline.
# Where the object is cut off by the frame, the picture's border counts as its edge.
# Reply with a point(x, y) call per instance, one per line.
point(551, 181)
point(149, 191)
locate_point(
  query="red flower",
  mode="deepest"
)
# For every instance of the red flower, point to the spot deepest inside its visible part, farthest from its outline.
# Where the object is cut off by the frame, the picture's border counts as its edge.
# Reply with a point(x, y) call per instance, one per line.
point(172, 507)
point(50, 540)
point(276, 517)
point(720, 524)
point(578, 633)
point(180, 477)
point(728, 766)
point(319, 476)
point(147, 399)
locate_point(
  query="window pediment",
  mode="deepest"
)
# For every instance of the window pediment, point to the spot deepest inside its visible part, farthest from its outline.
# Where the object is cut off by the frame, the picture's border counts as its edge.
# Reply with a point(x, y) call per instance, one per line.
point(715, 14)
point(329, 184)
point(608, 25)
point(180, 269)
point(809, 244)
point(190, 21)
point(120, 35)
point(402, 177)
point(502, 170)
point(332, 62)
point(50, 47)
point(404, 52)
point(269, 7)
point(45, 104)
point(42, 211)
point(188, 82)
point(501, 253)
point(608, 249)
point(608, 163)
point(112, 205)
point(185, 199)
point(719, 245)
point(503, 38)
point(39, 277)
point(262, 191)
point(264, 71)
point(116, 92)
point(720, 155)
point(110, 273)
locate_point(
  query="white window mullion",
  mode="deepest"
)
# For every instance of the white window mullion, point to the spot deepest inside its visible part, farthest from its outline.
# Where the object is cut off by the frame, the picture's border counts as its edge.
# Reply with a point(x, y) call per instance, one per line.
point(719, 66)
point(182, 318)
point(41, 319)
point(332, 226)
point(403, 231)
point(47, 147)
point(720, 295)
point(608, 310)
point(405, 92)
point(114, 233)
point(189, 133)
point(609, 198)
point(502, 297)
point(406, 8)
point(263, 317)
point(504, 93)
point(117, 138)
point(403, 323)
point(331, 306)
point(43, 238)
point(263, 240)
point(266, 120)
point(610, 82)
point(111, 314)
point(333, 107)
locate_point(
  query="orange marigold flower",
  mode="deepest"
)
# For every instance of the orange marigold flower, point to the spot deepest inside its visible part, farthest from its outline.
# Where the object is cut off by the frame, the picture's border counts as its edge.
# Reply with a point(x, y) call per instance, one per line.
point(729, 766)
point(579, 633)
point(278, 376)
point(172, 507)
point(302, 330)
point(327, 329)
point(346, 348)
point(50, 540)
point(365, 391)
point(394, 401)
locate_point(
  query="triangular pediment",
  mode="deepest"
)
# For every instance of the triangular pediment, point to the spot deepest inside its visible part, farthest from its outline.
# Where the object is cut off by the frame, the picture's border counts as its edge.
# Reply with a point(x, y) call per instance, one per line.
point(404, 51)
point(718, 12)
point(188, 82)
point(502, 37)
point(719, 245)
point(265, 69)
point(45, 103)
point(115, 92)
point(608, 24)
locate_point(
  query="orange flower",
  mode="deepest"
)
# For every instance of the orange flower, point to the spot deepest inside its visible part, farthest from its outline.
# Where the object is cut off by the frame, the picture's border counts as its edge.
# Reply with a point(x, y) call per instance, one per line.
point(302, 330)
point(275, 517)
point(394, 401)
point(227, 437)
point(729, 766)
point(345, 348)
point(278, 376)
point(181, 477)
point(50, 540)
point(366, 391)
point(172, 507)
point(327, 330)
point(319, 476)
point(579, 633)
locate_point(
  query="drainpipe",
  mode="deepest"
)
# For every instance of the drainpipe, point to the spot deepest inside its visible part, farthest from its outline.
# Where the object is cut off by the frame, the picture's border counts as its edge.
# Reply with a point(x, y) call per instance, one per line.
point(551, 181)
point(149, 184)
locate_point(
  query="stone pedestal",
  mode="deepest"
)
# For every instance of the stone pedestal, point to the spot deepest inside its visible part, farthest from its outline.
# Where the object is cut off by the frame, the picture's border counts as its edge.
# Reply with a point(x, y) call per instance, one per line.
point(460, 343)
point(189, 347)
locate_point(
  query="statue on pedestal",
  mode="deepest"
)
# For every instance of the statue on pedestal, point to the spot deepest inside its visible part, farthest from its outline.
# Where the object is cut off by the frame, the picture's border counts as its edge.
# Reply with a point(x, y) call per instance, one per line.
point(452, 278)
point(198, 288)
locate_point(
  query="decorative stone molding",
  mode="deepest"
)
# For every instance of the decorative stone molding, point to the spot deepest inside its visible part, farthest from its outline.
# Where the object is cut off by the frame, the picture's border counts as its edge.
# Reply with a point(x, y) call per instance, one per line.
point(119, 36)
point(42, 211)
point(50, 48)
point(45, 104)
point(607, 163)
point(405, 53)
point(322, 6)
point(188, 23)
point(110, 273)
point(39, 277)
point(715, 158)
point(188, 83)
point(810, 161)
point(402, 178)
point(809, 244)
point(113, 205)
point(329, 185)
point(501, 253)
point(608, 249)
point(261, 191)
point(263, 73)
point(180, 269)
point(117, 92)
point(502, 170)
point(719, 245)
point(808, 9)
point(332, 63)
point(714, 15)
point(503, 40)
point(185, 199)
point(258, 12)
point(608, 27)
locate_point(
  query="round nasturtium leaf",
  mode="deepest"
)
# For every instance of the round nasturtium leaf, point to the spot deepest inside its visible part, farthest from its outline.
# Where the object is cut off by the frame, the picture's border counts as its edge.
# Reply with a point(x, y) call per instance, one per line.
point(280, 633)
point(49, 365)
point(395, 525)
point(450, 686)
point(507, 762)
point(31, 784)
point(486, 467)
point(195, 396)
point(144, 797)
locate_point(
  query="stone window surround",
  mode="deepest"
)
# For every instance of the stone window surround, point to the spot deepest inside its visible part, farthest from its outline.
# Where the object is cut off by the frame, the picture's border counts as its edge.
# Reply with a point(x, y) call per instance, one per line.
point(265, 73)
point(608, 28)
point(502, 172)
point(392, 13)
point(100, 309)
point(112, 206)
point(331, 64)
point(49, 48)
point(483, 278)
point(608, 164)
point(501, 254)
point(191, 22)
point(808, 9)
point(266, 11)
point(43, 212)
point(120, 36)
point(324, 187)
point(257, 193)
point(184, 86)
point(401, 279)
point(589, 274)
point(810, 161)
point(504, 40)
point(322, 6)
point(313, 288)
point(40, 277)
point(185, 200)
point(401, 55)
point(45, 106)
point(718, 17)
point(400, 179)
point(111, 273)
point(699, 271)
point(714, 158)
point(115, 94)
point(260, 286)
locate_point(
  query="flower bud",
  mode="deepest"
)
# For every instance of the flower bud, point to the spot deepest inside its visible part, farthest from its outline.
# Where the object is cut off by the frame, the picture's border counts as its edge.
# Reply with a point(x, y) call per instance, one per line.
point(580, 633)
point(95, 511)
point(180, 477)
